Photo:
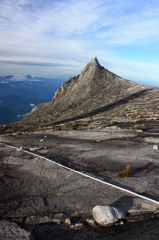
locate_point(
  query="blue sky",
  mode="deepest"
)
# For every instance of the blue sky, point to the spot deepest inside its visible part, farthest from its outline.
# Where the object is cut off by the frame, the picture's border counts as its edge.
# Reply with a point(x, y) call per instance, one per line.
point(57, 38)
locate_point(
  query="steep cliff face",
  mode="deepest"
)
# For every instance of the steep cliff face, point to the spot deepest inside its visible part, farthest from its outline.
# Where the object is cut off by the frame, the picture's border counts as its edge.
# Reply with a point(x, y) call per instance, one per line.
point(76, 89)
point(96, 90)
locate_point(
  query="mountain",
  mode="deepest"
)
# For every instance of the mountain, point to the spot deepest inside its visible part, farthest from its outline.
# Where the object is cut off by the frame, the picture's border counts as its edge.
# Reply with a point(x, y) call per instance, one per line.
point(98, 94)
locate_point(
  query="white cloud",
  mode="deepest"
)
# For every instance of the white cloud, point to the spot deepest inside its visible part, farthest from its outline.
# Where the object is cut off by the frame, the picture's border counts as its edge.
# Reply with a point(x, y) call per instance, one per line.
point(22, 115)
point(4, 82)
point(118, 22)
point(32, 104)
point(18, 78)
point(72, 32)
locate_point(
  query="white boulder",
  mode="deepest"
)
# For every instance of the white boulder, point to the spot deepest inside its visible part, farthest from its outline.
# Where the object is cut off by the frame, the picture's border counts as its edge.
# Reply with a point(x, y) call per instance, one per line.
point(105, 215)
point(155, 147)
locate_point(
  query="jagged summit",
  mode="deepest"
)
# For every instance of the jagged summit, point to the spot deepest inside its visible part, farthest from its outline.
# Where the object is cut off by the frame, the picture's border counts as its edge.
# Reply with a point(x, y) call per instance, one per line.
point(91, 82)
point(93, 64)
point(92, 69)
point(81, 85)
point(95, 91)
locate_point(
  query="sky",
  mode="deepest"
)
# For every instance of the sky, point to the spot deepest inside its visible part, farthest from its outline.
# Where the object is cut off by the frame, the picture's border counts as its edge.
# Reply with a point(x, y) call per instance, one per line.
point(57, 38)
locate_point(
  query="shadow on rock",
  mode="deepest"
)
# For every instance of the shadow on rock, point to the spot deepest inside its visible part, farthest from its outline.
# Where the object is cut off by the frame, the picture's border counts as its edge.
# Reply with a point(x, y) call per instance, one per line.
point(124, 203)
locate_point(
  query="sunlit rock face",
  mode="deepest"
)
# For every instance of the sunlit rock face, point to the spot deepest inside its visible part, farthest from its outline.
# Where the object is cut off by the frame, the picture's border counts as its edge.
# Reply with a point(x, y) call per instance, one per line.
point(96, 92)
point(93, 88)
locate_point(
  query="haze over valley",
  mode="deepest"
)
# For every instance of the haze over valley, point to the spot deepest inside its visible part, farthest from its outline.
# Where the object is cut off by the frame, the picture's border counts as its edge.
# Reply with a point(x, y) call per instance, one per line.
point(19, 94)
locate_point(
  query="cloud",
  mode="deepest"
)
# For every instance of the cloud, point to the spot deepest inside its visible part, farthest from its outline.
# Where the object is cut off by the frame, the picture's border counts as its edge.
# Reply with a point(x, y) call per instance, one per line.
point(22, 115)
point(29, 63)
point(18, 78)
point(57, 38)
point(32, 104)
point(116, 22)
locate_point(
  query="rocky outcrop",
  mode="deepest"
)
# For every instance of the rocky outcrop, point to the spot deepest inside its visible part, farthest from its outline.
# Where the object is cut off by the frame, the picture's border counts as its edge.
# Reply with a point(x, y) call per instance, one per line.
point(105, 215)
point(10, 230)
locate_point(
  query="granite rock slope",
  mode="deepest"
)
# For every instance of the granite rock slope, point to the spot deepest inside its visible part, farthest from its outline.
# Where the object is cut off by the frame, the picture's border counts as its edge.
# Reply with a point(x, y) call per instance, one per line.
point(95, 91)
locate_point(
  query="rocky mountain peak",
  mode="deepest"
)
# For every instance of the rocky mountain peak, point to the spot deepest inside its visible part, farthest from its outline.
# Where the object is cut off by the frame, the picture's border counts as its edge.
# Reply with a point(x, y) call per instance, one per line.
point(94, 63)
point(93, 67)
point(95, 91)
point(78, 88)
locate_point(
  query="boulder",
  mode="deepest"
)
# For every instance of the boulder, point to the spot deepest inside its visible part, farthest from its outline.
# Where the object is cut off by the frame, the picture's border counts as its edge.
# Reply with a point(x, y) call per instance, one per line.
point(155, 147)
point(105, 215)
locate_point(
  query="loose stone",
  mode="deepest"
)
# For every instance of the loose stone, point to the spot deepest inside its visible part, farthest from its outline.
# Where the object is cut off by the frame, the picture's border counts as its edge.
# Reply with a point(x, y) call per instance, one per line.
point(105, 215)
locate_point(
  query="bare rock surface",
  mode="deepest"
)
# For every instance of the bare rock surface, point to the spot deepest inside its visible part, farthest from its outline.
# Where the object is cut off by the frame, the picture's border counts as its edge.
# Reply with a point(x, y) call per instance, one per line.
point(106, 134)
point(152, 140)
point(10, 230)
point(41, 186)
point(105, 215)
point(34, 190)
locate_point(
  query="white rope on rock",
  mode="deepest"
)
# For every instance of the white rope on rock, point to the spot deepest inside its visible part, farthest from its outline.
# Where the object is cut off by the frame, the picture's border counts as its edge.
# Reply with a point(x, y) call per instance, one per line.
point(87, 176)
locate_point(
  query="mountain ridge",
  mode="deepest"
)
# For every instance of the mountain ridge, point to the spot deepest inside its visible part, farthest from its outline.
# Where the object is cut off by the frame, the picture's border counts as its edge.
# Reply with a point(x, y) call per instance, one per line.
point(95, 91)
point(92, 79)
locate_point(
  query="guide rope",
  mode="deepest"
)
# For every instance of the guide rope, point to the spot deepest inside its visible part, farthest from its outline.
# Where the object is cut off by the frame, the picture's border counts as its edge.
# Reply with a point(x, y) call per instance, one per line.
point(88, 176)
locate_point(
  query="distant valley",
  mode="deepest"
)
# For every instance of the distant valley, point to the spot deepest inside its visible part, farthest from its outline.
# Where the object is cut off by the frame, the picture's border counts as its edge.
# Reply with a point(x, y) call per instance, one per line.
point(18, 95)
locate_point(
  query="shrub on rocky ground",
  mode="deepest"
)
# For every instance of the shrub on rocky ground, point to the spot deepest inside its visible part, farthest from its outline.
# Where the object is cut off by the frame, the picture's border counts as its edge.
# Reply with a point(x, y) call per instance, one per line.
point(137, 127)
point(113, 122)
point(39, 129)
point(2, 144)
point(125, 173)
point(74, 126)
point(90, 127)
